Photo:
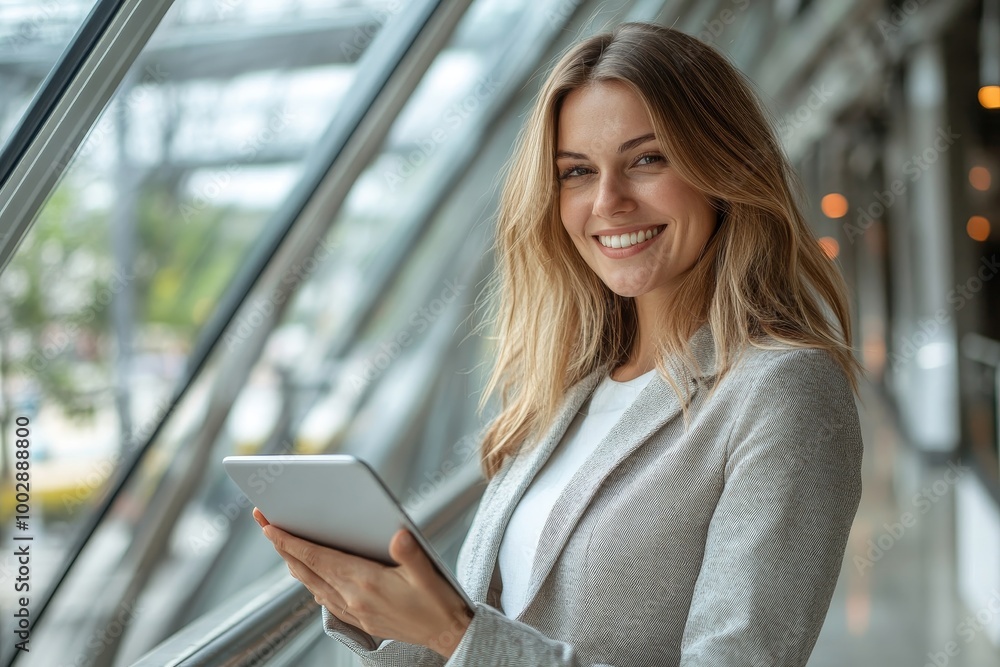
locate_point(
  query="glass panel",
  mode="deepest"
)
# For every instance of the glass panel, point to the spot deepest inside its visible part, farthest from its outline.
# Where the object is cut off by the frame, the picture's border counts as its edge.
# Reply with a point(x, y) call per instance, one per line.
point(103, 301)
point(33, 35)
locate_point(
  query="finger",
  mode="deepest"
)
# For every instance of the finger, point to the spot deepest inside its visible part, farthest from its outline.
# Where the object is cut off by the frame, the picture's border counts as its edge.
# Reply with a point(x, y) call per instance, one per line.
point(322, 591)
point(258, 516)
point(311, 554)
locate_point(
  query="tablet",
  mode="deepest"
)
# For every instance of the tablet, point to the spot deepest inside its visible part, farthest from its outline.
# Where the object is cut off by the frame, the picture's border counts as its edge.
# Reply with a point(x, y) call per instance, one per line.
point(335, 500)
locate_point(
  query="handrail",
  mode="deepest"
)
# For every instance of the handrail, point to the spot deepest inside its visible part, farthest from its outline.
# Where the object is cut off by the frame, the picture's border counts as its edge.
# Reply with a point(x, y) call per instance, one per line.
point(977, 347)
point(986, 351)
point(243, 630)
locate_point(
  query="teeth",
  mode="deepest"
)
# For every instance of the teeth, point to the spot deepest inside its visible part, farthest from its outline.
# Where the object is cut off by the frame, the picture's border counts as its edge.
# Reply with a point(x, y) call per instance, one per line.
point(626, 240)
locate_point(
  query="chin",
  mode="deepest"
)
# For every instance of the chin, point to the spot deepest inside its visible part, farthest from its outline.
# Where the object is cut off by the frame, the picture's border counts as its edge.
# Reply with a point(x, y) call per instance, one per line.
point(628, 292)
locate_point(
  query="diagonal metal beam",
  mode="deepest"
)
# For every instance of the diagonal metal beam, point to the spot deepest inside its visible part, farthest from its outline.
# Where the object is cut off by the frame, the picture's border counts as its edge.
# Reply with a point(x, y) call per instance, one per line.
point(66, 108)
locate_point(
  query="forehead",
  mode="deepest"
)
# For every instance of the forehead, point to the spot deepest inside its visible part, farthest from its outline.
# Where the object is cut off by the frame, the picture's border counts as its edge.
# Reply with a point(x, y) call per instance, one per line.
point(599, 114)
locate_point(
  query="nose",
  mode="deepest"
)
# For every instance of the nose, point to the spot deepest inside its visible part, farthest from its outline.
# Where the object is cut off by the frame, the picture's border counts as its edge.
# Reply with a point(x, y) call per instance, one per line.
point(613, 197)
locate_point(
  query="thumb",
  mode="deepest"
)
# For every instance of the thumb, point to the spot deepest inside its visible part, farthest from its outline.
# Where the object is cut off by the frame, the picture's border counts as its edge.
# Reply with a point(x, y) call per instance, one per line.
point(405, 550)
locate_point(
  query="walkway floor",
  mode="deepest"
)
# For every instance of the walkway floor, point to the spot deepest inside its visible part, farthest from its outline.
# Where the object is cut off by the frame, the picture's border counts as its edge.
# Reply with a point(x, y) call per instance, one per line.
point(903, 609)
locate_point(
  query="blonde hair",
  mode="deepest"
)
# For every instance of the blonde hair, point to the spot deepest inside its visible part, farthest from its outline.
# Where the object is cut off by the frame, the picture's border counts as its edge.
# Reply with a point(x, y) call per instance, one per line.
point(761, 274)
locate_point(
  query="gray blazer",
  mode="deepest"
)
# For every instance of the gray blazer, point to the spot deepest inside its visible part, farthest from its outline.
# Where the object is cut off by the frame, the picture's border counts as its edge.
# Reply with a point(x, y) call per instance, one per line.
point(718, 546)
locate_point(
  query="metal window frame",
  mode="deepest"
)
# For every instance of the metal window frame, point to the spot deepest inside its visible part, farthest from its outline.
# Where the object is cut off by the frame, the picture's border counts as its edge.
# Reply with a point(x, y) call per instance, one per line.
point(54, 85)
point(66, 108)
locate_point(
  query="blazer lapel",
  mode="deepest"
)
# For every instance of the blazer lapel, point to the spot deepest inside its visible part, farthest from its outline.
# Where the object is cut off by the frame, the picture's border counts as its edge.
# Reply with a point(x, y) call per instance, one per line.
point(487, 534)
point(655, 406)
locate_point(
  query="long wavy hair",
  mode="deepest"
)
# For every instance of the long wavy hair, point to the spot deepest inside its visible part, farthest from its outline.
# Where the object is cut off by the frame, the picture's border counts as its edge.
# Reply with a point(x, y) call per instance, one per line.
point(762, 274)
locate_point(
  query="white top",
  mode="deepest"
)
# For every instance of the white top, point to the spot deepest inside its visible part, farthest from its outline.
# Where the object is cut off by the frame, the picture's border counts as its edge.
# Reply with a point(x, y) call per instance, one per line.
point(584, 434)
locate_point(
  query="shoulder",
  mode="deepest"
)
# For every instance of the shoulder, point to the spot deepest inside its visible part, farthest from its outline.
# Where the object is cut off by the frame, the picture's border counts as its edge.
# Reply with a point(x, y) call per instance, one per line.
point(807, 373)
point(794, 399)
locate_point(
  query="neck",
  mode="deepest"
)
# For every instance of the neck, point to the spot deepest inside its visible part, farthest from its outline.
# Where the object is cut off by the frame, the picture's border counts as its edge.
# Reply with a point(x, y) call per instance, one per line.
point(642, 358)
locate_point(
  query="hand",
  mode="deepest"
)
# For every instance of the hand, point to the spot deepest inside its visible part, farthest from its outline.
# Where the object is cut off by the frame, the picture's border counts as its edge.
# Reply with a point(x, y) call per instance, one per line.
point(409, 602)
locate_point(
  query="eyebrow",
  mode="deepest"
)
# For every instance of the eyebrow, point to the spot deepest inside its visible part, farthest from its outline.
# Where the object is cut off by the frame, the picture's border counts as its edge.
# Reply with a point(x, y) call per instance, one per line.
point(628, 145)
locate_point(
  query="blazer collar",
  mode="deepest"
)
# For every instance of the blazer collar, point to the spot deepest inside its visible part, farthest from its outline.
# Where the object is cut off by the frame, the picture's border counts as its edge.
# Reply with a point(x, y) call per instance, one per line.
point(656, 405)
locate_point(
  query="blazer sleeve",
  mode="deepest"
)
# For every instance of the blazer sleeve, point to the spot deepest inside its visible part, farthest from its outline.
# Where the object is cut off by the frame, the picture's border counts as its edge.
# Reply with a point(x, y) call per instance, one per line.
point(376, 652)
point(776, 540)
point(492, 639)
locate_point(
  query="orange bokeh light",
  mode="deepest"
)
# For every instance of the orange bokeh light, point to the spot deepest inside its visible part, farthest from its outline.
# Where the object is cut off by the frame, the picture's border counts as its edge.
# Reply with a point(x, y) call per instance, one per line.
point(978, 228)
point(980, 179)
point(830, 247)
point(834, 205)
point(989, 97)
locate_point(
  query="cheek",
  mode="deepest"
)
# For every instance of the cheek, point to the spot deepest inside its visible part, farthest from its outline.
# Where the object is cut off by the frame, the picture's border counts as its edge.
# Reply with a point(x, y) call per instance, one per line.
point(696, 212)
point(573, 212)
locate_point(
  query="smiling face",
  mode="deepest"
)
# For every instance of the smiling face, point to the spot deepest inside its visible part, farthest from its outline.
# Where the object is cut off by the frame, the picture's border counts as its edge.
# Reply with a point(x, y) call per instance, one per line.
point(634, 221)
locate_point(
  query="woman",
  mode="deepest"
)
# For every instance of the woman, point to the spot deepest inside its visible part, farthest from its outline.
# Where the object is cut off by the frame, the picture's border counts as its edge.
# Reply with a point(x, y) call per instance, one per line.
point(676, 463)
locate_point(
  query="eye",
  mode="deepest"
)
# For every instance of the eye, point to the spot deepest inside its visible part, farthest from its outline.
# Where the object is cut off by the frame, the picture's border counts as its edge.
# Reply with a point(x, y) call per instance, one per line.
point(647, 159)
point(570, 172)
